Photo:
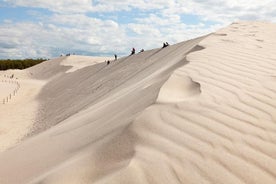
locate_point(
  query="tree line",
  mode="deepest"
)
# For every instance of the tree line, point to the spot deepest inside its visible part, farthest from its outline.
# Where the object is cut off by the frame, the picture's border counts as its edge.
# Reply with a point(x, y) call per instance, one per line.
point(6, 64)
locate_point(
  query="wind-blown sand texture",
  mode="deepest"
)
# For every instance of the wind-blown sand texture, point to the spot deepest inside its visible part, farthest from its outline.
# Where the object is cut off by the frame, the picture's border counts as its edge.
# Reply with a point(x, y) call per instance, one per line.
point(18, 106)
point(201, 111)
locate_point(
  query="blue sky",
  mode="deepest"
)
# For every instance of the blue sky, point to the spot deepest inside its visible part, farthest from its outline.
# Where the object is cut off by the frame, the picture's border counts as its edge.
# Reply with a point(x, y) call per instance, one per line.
point(22, 14)
point(48, 28)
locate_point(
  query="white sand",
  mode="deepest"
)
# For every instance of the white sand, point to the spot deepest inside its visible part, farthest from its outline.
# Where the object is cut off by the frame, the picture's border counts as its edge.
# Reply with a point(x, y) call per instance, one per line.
point(17, 115)
point(178, 88)
point(7, 87)
point(213, 121)
point(77, 62)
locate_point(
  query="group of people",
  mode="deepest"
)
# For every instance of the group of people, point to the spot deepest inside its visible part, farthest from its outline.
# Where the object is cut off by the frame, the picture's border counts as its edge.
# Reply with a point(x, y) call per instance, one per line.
point(115, 58)
point(133, 51)
point(165, 44)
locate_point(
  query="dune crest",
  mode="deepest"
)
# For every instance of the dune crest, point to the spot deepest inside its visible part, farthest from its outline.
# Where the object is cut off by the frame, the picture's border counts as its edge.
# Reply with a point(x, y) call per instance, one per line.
point(77, 62)
point(217, 124)
point(81, 113)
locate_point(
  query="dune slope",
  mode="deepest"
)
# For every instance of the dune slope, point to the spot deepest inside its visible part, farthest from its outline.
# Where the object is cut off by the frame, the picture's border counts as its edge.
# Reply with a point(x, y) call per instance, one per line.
point(18, 107)
point(220, 129)
point(149, 118)
point(89, 107)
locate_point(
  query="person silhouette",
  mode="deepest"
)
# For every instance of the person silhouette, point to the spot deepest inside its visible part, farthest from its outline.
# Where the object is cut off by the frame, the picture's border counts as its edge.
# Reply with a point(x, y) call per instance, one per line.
point(165, 44)
point(133, 51)
point(115, 55)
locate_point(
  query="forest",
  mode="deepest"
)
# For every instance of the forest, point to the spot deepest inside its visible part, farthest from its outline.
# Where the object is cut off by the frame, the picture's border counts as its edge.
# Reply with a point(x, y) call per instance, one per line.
point(6, 64)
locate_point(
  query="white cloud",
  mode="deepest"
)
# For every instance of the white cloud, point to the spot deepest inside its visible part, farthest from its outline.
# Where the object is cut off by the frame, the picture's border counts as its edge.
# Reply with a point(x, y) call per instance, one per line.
point(24, 40)
point(54, 5)
point(61, 34)
point(208, 9)
point(70, 29)
point(229, 10)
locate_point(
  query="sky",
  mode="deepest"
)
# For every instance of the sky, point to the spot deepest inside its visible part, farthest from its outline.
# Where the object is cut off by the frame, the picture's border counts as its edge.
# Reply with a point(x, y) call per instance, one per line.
point(49, 28)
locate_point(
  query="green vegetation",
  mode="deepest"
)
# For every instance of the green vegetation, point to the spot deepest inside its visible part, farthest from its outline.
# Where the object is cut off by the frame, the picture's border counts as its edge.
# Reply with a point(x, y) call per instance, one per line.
point(6, 64)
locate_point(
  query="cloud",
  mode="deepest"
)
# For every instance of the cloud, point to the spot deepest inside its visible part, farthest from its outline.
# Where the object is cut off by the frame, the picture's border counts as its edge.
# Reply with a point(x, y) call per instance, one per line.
point(208, 9)
point(23, 40)
point(69, 6)
point(61, 34)
point(104, 27)
point(229, 10)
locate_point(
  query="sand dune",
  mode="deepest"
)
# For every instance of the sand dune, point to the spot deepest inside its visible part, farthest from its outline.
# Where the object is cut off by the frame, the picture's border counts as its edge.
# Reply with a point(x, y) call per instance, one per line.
point(17, 113)
point(99, 103)
point(201, 111)
point(79, 62)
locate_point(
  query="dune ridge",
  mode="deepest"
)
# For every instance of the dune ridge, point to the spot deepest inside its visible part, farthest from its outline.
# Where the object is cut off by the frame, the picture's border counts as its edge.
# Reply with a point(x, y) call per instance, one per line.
point(99, 103)
point(224, 135)
point(201, 111)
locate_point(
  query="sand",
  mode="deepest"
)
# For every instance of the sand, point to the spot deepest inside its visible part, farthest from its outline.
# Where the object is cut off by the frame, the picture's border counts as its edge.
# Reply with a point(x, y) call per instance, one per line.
point(201, 111)
point(18, 107)
point(78, 62)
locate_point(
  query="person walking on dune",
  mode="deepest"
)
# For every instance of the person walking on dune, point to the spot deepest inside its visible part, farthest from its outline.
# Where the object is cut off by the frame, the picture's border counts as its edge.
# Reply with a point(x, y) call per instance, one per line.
point(165, 44)
point(133, 51)
point(115, 55)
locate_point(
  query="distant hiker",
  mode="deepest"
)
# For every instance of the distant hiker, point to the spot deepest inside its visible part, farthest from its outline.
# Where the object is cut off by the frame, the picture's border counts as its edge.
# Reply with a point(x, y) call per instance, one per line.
point(165, 44)
point(115, 55)
point(108, 62)
point(133, 51)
